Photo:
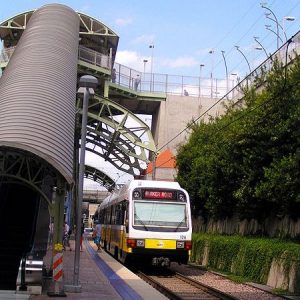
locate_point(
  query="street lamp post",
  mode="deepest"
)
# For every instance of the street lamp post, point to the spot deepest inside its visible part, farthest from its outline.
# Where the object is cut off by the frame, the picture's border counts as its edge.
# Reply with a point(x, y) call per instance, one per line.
point(274, 20)
point(211, 73)
point(235, 79)
point(268, 27)
point(145, 61)
point(86, 83)
point(152, 50)
point(287, 18)
point(200, 75)
point(234, 82)
point(238, 49)
point(144, 74)
point(223, 54)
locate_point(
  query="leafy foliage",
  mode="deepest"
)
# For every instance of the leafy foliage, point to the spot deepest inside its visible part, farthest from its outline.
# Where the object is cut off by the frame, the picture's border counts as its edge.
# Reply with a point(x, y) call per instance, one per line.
point(246, 257)
point(247, 162)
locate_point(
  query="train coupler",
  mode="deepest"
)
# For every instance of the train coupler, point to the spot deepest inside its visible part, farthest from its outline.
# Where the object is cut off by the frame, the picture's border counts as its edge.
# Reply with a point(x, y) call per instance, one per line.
point(161, 261)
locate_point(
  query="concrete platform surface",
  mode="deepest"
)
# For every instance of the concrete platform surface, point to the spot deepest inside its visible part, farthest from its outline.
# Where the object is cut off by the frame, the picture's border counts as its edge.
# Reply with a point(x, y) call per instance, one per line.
point(101, 277)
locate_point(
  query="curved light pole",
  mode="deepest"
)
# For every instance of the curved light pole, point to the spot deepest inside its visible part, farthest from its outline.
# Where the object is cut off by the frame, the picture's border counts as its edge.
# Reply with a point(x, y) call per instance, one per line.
point(274, 20)
point(260, 44)
point(238, 49)
point(287, 18)
point(223, 54)
point(268, 27)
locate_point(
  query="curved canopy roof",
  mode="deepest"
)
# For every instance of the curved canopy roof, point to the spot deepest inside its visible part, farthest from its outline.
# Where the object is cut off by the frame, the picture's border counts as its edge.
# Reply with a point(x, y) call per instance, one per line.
point(103, 179)
point(93, 33)
point(38, 89)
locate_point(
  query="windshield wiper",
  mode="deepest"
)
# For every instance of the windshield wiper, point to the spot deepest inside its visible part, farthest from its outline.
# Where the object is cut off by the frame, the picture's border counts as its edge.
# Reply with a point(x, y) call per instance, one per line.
point(138, 218)
point(179, 224)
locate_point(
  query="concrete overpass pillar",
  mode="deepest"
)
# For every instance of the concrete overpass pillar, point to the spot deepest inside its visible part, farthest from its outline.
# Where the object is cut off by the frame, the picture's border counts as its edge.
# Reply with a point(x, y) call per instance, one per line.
point(170, 120)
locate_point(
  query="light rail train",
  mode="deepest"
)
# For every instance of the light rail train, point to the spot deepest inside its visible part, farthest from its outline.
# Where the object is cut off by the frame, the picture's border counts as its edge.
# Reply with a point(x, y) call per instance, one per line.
point(147, 221)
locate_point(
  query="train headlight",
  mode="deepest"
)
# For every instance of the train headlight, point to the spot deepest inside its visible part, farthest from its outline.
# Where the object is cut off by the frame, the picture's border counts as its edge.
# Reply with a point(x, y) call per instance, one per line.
point(180, 245)
point(136, 194)
point(181, 197)
point(140, 243)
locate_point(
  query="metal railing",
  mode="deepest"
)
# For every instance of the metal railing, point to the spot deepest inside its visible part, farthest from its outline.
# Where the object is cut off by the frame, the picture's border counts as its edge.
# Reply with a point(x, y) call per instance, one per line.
point(94, 58)
point(147, 82)
point(170, 84)
point(176, 84)
point(6, 54)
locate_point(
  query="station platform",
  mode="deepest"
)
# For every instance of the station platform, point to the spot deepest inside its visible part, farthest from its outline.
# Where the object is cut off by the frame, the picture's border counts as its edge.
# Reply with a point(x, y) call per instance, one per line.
point(101, 277)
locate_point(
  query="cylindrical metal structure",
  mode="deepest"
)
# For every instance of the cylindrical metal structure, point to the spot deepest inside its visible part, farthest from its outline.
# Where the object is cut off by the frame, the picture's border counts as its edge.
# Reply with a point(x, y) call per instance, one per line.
point(38, 88)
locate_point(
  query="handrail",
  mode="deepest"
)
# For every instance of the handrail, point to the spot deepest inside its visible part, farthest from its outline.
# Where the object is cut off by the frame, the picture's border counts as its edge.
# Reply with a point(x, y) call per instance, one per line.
point(146, 82)
point(176, 84)
point(94, 57)
point(169, 84)
point(6, 54)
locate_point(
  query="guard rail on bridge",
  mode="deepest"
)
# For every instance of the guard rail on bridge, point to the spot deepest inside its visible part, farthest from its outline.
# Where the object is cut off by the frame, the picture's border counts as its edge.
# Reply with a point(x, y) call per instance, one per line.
point(154, 83)
point(176, 84)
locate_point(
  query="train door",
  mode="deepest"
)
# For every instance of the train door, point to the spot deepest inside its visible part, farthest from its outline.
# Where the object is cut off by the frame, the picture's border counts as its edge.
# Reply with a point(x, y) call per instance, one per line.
point(123, 221)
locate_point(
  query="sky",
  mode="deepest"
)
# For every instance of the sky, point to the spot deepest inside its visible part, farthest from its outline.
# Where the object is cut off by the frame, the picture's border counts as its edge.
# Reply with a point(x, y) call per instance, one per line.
point(186, 34)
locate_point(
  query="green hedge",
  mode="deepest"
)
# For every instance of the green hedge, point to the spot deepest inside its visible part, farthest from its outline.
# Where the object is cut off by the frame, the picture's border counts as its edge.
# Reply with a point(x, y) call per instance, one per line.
point(244, 256)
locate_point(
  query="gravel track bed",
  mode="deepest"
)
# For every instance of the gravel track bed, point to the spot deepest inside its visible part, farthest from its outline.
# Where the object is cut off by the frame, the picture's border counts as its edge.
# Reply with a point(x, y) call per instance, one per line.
point(238, 290)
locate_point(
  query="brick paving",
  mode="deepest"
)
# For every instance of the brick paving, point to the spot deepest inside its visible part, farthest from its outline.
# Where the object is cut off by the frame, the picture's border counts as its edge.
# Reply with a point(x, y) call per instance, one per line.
point(94, 284)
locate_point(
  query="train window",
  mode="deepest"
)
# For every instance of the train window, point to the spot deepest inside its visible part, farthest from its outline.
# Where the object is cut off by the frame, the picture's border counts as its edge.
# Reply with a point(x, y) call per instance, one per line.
point(113, 215)
point(108, 215)
point(118, 212)
point(125, 216)
point(101, 216)
point(160, 214)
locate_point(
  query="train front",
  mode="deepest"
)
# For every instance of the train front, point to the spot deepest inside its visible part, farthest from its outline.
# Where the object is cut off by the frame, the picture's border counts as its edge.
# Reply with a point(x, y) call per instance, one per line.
point(160, 229)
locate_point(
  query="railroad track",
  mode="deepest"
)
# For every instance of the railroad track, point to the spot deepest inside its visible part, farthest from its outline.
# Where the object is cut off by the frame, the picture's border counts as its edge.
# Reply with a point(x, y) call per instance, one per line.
point(176, 286)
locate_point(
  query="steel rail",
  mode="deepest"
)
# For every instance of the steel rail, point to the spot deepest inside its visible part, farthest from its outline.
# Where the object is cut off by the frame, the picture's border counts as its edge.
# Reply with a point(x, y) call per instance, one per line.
point(211, 292)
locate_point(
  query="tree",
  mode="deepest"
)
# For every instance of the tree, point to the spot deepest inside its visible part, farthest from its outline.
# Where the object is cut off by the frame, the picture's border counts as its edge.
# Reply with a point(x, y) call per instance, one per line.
point(247, 161)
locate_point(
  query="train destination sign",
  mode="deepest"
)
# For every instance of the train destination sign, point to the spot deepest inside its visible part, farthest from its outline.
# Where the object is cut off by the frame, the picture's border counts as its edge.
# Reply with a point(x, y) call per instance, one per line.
point(152, 194)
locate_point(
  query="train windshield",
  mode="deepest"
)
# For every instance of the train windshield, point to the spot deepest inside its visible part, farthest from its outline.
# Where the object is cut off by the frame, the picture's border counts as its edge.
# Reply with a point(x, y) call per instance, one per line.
point(160, 214)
